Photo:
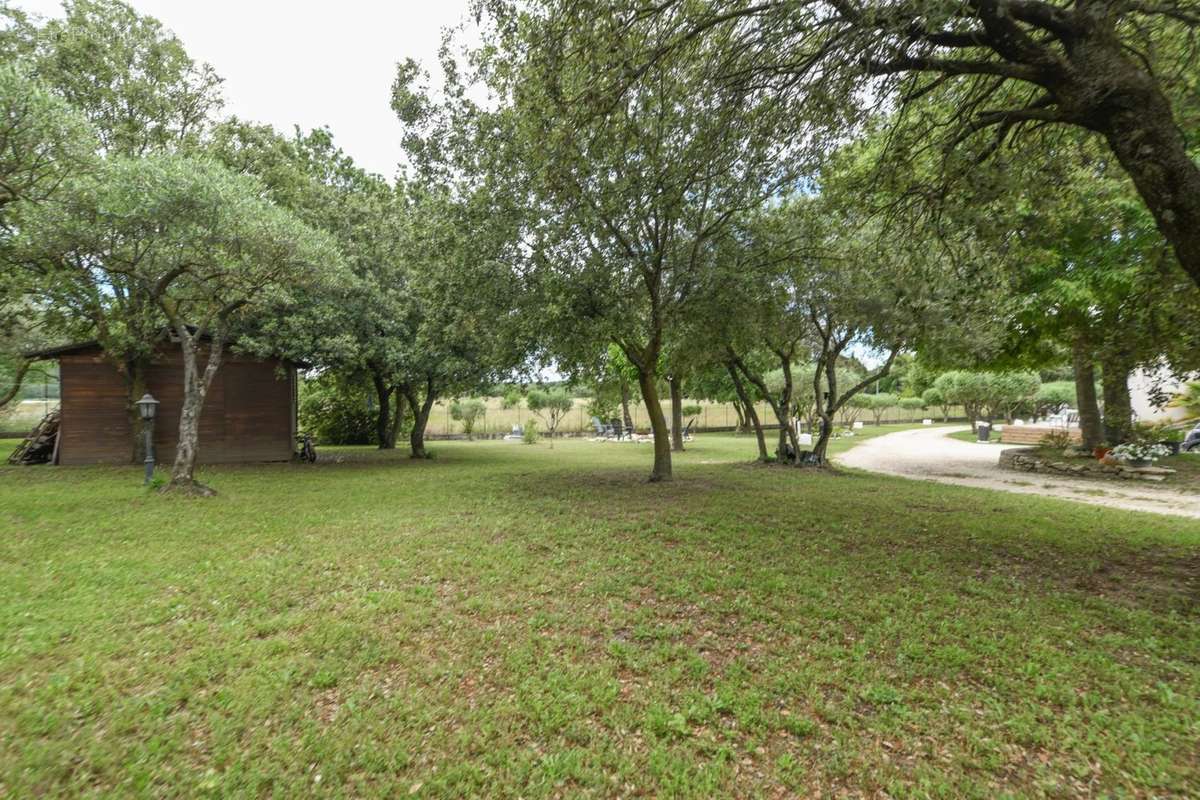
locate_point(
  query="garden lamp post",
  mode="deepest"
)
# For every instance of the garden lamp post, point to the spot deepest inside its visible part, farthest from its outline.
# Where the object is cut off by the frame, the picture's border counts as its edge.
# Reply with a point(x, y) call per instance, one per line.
point(147, 408)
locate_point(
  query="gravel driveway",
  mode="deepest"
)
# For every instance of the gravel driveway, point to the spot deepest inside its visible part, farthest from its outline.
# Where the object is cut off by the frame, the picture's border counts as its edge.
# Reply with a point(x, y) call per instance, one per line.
point(929, 454)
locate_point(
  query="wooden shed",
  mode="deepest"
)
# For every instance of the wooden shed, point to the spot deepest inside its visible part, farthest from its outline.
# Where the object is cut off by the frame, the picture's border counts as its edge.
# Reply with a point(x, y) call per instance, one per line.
point(249, 414)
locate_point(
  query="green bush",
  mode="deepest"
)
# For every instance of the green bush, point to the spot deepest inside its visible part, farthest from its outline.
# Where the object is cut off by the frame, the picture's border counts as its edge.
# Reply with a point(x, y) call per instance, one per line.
point(878, 404)
point(1188, 399)
point(468, 412)
point(550, 405)
point(511, 398)
point(1054, 397)
point(336, 412)
point(911, 404)
point(530, 434)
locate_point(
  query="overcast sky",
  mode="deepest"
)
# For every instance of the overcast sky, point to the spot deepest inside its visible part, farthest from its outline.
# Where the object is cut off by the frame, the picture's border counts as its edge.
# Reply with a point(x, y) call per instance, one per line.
point(309, 64)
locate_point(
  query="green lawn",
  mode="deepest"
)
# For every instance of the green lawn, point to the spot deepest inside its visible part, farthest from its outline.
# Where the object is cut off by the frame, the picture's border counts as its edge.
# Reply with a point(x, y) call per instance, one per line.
point(524, 621)
point(1187, 467)
point(970, 436)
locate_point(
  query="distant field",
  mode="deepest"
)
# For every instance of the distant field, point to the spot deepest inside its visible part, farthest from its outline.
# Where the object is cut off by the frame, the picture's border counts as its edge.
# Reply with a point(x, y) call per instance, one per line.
point(712, 415)
point(27, 414)
point(500, 420)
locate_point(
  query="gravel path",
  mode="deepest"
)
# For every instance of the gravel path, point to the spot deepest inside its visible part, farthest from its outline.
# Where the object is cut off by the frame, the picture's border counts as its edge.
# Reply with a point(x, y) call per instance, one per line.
point(929, 454)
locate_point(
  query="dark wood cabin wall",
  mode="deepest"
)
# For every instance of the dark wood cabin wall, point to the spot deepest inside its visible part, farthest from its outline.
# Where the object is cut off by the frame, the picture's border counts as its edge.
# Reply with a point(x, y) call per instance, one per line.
point(247, 415)
point(95, 425)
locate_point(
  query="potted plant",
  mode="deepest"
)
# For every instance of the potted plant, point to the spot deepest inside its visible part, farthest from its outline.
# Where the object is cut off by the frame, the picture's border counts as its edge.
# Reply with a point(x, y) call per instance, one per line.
point(1137, 454)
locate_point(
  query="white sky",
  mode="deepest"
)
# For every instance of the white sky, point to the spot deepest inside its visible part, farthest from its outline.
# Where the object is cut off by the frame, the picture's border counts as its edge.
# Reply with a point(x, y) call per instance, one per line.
point(309, 64)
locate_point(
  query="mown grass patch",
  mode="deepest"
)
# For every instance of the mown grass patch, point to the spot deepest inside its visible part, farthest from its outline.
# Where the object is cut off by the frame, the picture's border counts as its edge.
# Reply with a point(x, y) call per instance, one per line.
point(507, 620)
point(972, 437)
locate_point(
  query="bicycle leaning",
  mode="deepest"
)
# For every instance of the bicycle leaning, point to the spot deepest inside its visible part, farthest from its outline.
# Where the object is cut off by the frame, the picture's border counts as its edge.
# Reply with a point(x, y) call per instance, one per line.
point(307, 451)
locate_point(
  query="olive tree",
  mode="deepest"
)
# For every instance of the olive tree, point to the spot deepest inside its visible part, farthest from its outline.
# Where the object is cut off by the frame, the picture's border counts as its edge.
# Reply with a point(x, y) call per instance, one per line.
point(971, 76)
point(912, 404)
point(197, 242)
point(43, 142)
point(123, 86)
point(935, 396)
point(626, 205)
point(879, 404)
point(550, 406)
point(468, 412)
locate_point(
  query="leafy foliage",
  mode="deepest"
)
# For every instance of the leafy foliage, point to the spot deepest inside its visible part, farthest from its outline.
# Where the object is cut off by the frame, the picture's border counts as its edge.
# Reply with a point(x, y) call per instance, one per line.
point(468, 411)
point(550, 405)
point(335, 412)
point(1188, 399)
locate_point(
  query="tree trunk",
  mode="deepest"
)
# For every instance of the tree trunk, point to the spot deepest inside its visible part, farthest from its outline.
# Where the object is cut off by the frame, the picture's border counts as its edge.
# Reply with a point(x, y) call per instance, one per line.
point(1085, 393)
point(676, 413)
point(826, 409)
point(195, 389)
point(742, 425)
point(658, 425)
point(746, 403)
point(1118, 408)
point(781, 407)
point(787, 431)
point(1141, 130)
point(625, 398)
point(385, 431)
point(416, 437)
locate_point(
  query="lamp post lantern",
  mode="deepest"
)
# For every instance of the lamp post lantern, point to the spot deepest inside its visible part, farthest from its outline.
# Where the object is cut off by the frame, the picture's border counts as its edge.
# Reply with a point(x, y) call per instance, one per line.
point(148, 408)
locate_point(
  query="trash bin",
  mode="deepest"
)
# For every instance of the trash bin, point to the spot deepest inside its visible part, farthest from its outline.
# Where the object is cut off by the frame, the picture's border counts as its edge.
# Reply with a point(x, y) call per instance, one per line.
point(983, 430)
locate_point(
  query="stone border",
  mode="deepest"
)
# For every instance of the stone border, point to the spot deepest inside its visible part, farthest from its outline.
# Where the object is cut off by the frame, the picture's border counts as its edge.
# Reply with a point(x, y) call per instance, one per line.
point(1022, 459)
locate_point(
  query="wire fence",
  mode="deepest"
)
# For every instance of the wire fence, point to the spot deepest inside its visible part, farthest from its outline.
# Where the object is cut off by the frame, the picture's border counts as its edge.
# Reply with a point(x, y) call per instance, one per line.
point(21, 417)
point(712, 417)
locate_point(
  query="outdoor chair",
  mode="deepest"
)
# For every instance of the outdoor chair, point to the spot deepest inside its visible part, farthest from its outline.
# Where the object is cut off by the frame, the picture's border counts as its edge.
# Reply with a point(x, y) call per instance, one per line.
point(1192, 442)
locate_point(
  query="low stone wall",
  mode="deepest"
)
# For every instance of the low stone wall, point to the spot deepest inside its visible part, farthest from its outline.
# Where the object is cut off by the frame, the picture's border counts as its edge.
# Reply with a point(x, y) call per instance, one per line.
point(1028, 460)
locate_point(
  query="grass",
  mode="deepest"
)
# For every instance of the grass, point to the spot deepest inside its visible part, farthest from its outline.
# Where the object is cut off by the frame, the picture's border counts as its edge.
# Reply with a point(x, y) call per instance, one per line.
point(1187, 469)
point(515, 621)
point(970, 436)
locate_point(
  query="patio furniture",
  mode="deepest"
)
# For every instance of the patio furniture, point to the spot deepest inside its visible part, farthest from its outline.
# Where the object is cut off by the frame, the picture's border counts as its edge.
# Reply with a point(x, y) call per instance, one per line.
point(1191, 444)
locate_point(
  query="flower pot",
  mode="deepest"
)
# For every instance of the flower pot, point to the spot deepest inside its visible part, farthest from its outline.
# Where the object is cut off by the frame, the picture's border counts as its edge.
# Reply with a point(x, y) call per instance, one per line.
point(1139, 462)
